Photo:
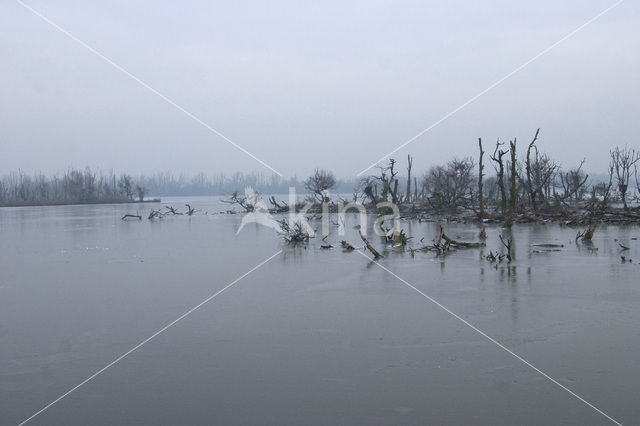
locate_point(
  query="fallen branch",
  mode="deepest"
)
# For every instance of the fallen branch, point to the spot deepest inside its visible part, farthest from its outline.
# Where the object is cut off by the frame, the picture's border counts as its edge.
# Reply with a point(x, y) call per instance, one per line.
point(373, 251)
point(132, 216)
point(345, 245)
point(622, 247)
point(438, 246)
point(155, 214)
point(277, 207)
point(172, 210)
point(457, 243)
point(507, 244)
point(293, 234)
point(495, 257)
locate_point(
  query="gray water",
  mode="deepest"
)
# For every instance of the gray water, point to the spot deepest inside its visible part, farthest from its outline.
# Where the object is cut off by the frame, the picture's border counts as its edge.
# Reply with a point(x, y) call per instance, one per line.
point(314, 336)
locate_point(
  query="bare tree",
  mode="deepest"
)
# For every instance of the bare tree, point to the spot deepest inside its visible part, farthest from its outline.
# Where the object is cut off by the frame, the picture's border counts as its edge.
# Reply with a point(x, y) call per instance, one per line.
point(508, 220)
point(89, 187)
point(320, 182)
point(600, 195)
point(480, 179)
point(622, 160)
point(369, 188)
point(499, 167)
point(379, 188)
point(125, 184)
point(573, 183)
point(407, 197)
point(389, 182)
point(447, 186)
point(539, 172)
point(532, 191)
point(140, 191)
point(243, 201)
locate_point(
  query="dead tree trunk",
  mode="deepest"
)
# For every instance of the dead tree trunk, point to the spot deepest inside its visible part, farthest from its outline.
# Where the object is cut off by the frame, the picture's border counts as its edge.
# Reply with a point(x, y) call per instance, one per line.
point(499, 166)
point(532, 191)
point(508, 221)
point(394, 194)
point(409, 165)
point(480, 178)
point(393, 190)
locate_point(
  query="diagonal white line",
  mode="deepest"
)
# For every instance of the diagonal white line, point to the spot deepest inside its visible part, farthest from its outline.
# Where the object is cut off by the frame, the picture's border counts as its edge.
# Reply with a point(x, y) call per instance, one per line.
point(139, 345)
point(474, 98)
point(145, 85)
point(494, 341)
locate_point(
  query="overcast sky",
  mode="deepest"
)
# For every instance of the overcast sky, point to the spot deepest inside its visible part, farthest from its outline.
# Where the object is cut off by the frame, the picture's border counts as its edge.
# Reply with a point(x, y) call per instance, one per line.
point(329, 84)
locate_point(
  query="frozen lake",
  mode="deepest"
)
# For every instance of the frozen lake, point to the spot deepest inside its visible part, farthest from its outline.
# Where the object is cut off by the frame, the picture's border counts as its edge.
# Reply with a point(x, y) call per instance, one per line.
point(313, 336)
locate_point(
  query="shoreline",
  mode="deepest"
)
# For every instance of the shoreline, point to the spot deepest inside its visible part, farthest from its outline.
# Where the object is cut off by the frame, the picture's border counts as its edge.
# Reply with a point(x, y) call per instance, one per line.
point(84, 203)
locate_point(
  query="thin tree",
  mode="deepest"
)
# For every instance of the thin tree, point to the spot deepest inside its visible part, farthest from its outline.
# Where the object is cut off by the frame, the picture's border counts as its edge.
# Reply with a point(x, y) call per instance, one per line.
point(540, 172)
point(622, 160)
point(480, 178)
point(126, 186)
point(499, 167)
point(508, 220)
point(140, 192)
point(533, 190)
point(573, 183)
point(448, 187)
point(409, 165)
point(320, 182)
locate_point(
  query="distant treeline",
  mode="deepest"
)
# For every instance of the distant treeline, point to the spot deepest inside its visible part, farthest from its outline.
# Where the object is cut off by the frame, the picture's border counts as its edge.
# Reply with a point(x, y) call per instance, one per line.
point(90, 187)
point(73, 187)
